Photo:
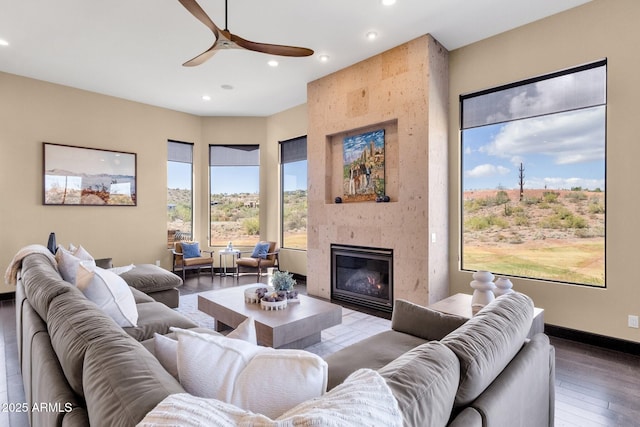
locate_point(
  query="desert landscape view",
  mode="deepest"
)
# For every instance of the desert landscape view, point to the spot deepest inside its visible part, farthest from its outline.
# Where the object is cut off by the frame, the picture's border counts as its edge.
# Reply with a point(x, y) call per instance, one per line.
point(556, 234)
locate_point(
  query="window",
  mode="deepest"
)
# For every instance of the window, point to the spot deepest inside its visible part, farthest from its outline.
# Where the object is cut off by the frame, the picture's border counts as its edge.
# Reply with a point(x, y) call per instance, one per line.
point(293, 168)
point(179, 191)
point(533, 177)
point(234, 172)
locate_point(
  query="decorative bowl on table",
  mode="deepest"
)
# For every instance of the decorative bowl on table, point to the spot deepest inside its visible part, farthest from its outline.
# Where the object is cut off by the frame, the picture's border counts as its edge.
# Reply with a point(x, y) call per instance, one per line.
point(274, 301)
point(254, 294)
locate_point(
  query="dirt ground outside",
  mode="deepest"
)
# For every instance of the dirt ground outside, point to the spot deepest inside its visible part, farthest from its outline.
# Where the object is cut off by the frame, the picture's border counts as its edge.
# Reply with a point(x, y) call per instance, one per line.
point(551, 234)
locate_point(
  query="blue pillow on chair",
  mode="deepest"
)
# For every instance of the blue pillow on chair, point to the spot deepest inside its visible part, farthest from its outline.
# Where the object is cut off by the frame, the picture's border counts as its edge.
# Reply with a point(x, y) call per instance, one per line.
point(261, 250)
point(190, 250)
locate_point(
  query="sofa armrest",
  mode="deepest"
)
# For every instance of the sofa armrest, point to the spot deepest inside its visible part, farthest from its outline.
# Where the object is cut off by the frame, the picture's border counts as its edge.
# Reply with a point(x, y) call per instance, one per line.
point(423, 322)
point(522, 394)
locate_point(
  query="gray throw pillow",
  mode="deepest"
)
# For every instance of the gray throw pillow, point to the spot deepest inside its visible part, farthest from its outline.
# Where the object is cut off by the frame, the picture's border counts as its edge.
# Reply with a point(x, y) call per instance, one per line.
point(422, 321)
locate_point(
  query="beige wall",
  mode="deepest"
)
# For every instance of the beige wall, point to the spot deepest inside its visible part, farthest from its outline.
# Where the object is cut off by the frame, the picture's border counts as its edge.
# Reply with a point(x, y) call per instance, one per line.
point(33, 111)
point(599, 29)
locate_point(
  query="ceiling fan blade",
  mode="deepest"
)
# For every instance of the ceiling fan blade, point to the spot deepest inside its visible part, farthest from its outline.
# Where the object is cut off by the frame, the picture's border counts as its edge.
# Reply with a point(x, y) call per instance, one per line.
point(194, 8)
point(202, 57)
point(272, 49)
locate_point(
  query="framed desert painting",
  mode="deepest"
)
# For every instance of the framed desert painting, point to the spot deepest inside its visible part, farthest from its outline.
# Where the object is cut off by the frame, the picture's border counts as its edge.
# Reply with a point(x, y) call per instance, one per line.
point(363, 172)
point(88, 176)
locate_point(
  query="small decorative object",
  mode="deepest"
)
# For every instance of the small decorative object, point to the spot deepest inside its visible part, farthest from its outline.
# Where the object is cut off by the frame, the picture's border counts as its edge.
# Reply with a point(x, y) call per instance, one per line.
point(230, 246)
point(255, 294)
point(274, 301)
point(386, 199)
point(379, 199)
point(282, 281)
point(503, 287)
point(483, 290)
point(338, 199)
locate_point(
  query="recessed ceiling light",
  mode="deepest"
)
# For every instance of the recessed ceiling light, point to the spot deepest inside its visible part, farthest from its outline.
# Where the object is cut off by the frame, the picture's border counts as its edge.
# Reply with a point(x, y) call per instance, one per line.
point(371, 35)
point(226, 87)
point(388, 2)
point(206, 98)
point(273, 63)
point(323, 58)
point(4, 42)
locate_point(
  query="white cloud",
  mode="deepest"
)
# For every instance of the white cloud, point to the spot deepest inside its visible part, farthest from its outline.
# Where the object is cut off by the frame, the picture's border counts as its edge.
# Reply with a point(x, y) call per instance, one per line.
point(567, 138)
point(486, 170)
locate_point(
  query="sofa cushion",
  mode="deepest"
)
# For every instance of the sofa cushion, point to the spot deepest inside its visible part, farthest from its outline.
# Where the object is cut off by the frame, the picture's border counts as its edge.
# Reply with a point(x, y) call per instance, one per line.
point(289, 377)
point(243, 374)
point(42, 283)
point(109, 292)
point(165, 347)
point(422, 321)
point(156, 317)
point(123, 382)
point(373, 353)
point(487, 343)
point(151, 278)
point(68, 262)
point(424, 381)
point(74, 323)
point(140, 297)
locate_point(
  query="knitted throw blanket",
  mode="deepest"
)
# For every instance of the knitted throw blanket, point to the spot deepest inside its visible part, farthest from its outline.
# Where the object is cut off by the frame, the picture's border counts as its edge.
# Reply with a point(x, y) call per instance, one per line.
point(11, 274)
point(364, 399)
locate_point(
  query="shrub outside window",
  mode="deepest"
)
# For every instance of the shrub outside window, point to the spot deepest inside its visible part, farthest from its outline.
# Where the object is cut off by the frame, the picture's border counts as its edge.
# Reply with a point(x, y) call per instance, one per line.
point(234, 172)
point(179, 191)
point(293, 163)
point(533, 177)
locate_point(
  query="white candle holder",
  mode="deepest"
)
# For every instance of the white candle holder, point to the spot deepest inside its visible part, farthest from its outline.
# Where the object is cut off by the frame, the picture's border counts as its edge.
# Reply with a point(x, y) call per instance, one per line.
point(503, 287)
point(483, 290)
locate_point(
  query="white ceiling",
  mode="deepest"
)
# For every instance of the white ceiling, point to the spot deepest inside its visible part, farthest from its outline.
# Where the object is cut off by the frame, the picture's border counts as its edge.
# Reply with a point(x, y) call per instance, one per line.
point(134, 49)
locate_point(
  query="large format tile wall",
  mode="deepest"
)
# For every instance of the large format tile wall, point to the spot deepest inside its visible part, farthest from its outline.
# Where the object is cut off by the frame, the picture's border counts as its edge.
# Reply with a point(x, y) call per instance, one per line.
point(404, 91)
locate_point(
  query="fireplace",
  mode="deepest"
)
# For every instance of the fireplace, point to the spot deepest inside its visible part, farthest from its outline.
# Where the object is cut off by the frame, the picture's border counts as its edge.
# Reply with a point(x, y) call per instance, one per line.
point(362, 276)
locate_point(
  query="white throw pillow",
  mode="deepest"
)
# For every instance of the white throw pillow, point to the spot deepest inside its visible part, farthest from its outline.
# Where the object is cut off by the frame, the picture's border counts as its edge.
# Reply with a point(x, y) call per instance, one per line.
point(363, 399)
point(166, 349)
point(246, 331)
point(110, 293)
point(243, 374)
point(68, 262)
point(208, 365)
point(275, 381)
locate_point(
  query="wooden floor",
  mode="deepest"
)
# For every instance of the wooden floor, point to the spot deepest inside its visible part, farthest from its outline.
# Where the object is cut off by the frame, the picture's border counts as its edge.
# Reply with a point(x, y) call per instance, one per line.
point(594, 386)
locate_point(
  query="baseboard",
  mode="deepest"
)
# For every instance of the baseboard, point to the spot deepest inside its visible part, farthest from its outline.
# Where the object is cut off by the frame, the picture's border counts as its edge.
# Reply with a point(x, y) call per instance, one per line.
point(7, 296)
point(593, 339)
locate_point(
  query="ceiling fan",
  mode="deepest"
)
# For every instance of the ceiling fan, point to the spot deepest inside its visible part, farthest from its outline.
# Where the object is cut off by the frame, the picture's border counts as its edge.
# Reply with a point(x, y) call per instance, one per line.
point(226, 40)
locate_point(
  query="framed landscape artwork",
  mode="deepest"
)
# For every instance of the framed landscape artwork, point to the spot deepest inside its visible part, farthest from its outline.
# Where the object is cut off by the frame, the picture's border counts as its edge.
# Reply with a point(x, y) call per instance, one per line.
point(363, 171)
point(88, 176)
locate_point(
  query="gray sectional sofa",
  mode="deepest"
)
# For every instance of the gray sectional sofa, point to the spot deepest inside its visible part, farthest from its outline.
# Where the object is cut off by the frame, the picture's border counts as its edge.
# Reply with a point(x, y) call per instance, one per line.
point(441, 370)
point(445, 370)
point(77, 360)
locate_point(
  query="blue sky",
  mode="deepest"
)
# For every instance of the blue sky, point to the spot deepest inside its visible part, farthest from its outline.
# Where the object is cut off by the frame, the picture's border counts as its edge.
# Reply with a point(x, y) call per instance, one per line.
point(236, 179)
point(558, 151)
point(353, 145)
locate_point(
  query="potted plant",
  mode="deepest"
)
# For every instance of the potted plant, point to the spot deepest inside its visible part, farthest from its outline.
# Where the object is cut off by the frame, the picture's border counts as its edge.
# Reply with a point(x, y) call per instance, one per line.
point(283, 282)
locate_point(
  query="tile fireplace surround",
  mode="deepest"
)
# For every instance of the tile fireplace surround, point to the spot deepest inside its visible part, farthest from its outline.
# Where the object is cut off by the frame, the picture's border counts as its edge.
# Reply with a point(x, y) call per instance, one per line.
point(405, 92)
